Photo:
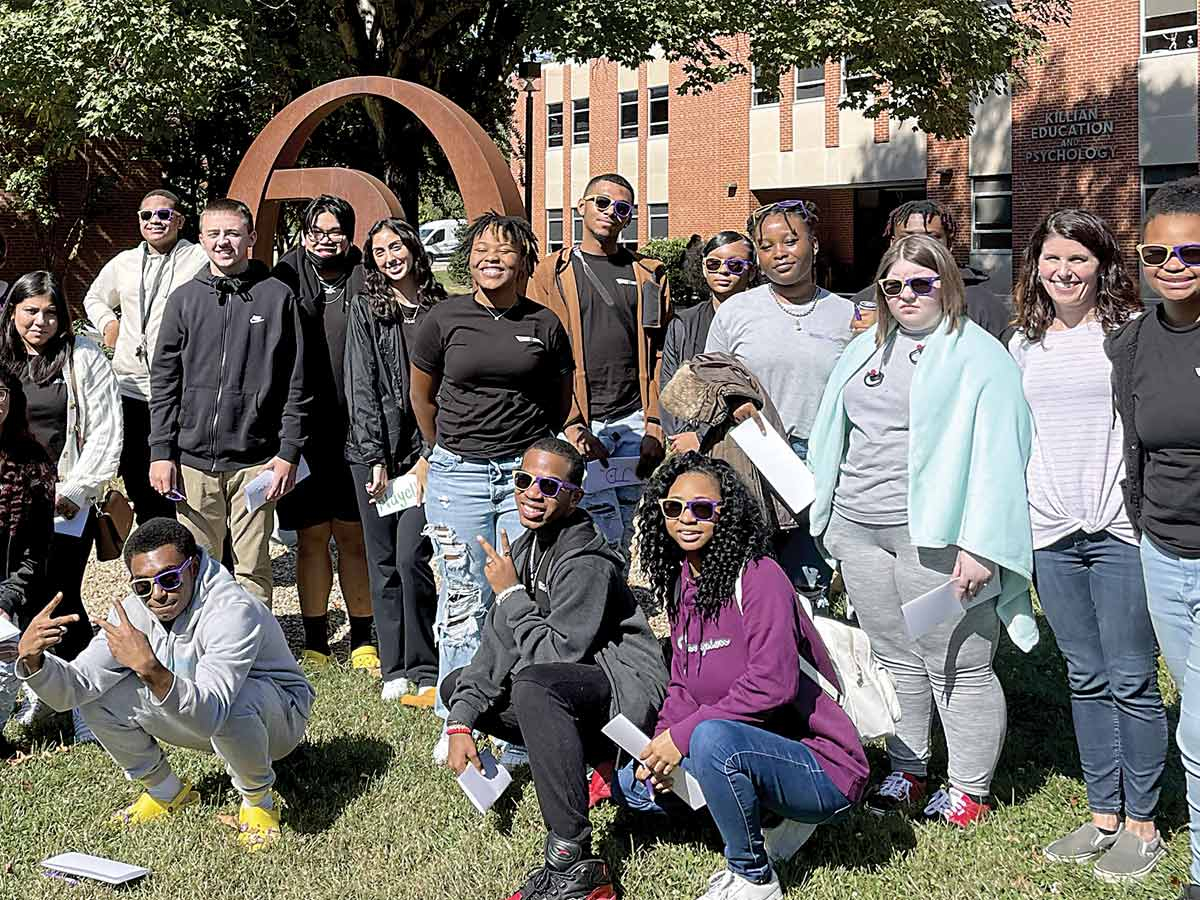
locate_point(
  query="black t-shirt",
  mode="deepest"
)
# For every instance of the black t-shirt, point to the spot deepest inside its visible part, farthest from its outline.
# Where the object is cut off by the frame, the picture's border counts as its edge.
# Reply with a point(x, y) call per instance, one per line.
point(47, 406)
point(1166, 397)
point(610, 328)
point(502, 377)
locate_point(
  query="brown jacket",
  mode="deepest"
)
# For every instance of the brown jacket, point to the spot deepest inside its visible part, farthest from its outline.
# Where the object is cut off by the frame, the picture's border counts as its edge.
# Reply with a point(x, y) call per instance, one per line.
point(553, 286)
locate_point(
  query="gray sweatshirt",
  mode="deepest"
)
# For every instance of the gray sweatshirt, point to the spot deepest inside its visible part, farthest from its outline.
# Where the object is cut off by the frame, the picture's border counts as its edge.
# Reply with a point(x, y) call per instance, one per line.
point(224, 637)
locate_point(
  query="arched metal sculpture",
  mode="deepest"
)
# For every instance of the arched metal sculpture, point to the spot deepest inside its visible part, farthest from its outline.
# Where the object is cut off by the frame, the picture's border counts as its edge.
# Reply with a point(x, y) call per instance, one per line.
point(267, 175)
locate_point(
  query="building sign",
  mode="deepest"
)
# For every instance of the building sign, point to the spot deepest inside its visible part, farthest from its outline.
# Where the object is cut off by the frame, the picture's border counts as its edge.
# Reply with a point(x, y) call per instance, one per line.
point(1071, 135)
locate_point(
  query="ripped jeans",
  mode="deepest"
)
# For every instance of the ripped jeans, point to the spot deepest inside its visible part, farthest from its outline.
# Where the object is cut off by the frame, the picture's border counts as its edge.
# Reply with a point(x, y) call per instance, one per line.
point(464, 499)
point(612, 509)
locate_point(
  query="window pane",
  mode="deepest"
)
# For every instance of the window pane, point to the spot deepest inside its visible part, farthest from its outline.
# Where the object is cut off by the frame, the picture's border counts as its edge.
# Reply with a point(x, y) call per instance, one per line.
point(993, 212)
point(659, 109)
point(998, 185)
point(992, 240)
point(629, 232)
point(1167, 7)
point(659, 220)
point(576, 226)
point(580, 131)
point(1172, 40)
point(629, 114)
point(810, 91)
point(554, 124)
point(1165, 174)
point(554, 226)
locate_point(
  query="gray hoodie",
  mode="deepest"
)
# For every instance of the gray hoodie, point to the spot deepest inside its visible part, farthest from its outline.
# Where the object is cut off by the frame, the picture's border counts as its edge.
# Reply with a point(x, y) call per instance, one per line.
point(222, 638)
point(581, 611)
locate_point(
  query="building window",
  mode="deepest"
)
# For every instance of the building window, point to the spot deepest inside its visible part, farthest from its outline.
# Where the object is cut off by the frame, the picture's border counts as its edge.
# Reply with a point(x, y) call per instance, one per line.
point(810, 83)
point(581, 122)
point(628, 238)
point(853, 79)
point(576, 227)
point(658, 221)
point(991, 213)
point(762, 94)
point(658, 110)
point(1154, 177)
point(554, 125)
point(1168, 25)
point(629, 115)
point(554, 230)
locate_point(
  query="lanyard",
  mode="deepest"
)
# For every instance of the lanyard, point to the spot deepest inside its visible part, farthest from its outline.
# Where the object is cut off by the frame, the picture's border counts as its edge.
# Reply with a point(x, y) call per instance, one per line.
point(146, 304)
point(594, 280)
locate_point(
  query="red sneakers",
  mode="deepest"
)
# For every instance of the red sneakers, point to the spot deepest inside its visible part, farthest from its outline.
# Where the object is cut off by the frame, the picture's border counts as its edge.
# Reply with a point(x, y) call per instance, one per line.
point(956, 807)
point(600, 784)
point(898, 790)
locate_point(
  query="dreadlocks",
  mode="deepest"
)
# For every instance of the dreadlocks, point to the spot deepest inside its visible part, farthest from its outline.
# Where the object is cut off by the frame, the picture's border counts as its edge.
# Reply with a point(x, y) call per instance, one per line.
point(510, 228)
point(927, 210)
point(802, 211)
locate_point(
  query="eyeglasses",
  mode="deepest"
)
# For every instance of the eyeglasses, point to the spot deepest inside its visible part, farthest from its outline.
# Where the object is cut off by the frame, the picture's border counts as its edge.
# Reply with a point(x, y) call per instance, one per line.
point(734, 265)
point(702, 509)
point(548, 485)
point(335, 236)
point(620, 208)
point(169, 580)
point(804, 208)
point(4, 395)
point(163, 214)
point(1160, 254)
point(922, 285)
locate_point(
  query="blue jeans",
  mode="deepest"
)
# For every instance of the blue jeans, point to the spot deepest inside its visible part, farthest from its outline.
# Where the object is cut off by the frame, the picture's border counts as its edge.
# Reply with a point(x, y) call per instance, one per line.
point(742, 768)
point(612, 509)
point(1173, 589)
point(1091, 589)
point(465, 499)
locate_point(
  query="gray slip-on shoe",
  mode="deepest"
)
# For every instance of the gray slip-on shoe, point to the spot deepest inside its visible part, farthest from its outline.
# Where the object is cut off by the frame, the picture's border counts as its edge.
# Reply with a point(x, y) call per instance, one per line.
point(1085, 844)
point(1129, 859)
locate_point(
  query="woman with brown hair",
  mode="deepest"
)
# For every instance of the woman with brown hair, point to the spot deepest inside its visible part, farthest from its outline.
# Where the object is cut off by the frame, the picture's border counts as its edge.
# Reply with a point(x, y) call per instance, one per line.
point(1073, 292)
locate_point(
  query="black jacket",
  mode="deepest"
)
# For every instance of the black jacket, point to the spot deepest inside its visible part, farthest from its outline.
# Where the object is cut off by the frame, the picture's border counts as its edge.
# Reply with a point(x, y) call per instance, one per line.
point(580, 610)
point(383, 429)
point(227, 384)
point(25, 554)
point(324, 327)
point(984, 308)
point(686, 335)
point(1121, 348)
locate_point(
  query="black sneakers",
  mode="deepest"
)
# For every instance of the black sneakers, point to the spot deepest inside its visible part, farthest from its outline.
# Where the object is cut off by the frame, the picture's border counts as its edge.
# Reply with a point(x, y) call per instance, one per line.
point(567, 875)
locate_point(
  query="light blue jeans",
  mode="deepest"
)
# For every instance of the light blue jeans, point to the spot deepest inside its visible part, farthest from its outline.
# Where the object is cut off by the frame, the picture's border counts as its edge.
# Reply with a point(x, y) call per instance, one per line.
point(9, 689)
point(612, 509)
point(1173, 593)
point(465, 499)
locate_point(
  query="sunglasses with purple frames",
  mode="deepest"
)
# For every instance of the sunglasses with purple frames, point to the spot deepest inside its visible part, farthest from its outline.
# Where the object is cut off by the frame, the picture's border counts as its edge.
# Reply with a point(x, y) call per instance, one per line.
point(168, 579)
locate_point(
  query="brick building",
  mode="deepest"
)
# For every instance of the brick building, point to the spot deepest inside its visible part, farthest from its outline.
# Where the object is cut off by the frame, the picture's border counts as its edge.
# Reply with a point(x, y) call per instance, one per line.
point(1107, 114)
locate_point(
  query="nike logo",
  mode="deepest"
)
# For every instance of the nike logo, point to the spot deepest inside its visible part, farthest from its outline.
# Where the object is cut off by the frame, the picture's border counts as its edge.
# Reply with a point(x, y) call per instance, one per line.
point(526, 339)
point(256, 319)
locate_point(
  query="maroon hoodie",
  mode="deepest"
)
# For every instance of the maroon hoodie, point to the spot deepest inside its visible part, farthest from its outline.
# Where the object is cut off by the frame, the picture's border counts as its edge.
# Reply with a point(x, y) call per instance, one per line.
point(743, 667)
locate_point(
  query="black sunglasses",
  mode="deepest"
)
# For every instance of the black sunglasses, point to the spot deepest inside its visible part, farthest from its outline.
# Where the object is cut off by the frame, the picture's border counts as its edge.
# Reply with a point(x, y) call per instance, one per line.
point(162, 214)
point(621, 208)
point(1160, 254)
point(169, 579)
point(921, 285)
point(548, 485)
point(734, 265)
point(702, 509)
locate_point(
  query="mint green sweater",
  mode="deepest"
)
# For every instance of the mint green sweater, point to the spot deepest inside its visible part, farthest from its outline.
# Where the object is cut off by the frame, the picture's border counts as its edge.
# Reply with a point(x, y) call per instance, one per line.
point(969, 446)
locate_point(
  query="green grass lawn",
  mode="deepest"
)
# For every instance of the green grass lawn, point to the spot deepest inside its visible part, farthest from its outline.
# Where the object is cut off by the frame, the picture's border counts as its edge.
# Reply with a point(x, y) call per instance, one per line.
point(368, 815)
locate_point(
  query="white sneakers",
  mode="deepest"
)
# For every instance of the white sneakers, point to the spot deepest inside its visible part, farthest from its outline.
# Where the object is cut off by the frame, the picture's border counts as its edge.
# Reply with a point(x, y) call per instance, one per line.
point(725, 885)
point(441, 750)
point(395, 689)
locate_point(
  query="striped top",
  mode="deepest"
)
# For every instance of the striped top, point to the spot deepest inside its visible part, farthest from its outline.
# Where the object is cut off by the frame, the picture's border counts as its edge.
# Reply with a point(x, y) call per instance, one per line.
point(1076, 468)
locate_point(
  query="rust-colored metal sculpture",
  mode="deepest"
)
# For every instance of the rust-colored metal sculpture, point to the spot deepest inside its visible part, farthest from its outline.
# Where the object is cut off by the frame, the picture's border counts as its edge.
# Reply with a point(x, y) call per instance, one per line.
point(266, 175)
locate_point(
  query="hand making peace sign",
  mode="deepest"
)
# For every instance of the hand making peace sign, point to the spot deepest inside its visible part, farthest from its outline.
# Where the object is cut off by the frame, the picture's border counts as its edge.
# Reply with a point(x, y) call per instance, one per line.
point(499, 569)
point(129, 646)
point(43, 632)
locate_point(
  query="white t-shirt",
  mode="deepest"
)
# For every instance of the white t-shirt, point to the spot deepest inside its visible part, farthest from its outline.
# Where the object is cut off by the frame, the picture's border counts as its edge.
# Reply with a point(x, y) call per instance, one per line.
point(1076, 467)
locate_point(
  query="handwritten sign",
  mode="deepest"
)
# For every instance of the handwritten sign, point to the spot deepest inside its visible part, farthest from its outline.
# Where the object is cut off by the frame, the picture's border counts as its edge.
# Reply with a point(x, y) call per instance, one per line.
point(401, 493)
point(621, 471)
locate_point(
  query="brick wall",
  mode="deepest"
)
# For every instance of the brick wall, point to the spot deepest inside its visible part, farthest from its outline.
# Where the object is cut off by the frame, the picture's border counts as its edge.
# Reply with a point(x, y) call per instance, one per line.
point(949, 183)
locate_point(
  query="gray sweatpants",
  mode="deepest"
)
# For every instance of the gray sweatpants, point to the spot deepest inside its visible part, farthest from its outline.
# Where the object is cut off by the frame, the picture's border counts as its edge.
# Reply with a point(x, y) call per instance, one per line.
point(950, 665)
point(263, 725)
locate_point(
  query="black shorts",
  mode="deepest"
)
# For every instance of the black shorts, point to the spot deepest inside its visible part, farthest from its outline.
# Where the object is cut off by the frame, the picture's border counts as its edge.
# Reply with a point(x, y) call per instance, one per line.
point(325, 495)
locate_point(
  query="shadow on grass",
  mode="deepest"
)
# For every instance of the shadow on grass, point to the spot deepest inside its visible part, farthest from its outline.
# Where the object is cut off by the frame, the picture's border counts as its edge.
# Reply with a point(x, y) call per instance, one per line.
point(505, 808)
point(293, 629)
point(320, 778)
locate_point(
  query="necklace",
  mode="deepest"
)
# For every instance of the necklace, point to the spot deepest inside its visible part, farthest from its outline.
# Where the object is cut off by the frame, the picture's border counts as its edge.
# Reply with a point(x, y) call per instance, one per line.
point(408, 320)
point(874, 377)
point(492, 311)
point(785, 306)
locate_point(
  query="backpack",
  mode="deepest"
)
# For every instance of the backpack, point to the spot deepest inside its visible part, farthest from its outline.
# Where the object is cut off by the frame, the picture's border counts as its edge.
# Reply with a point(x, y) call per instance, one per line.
point(868, 692)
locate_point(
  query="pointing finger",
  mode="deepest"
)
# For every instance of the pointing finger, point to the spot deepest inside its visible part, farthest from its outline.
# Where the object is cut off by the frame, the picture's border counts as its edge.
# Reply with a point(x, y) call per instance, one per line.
point(120, 608)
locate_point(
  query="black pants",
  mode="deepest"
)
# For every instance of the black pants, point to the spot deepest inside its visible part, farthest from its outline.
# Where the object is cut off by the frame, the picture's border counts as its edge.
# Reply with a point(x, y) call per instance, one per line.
point(68, 559)
point(403, 593)
point(135, 463)
point(556, 710)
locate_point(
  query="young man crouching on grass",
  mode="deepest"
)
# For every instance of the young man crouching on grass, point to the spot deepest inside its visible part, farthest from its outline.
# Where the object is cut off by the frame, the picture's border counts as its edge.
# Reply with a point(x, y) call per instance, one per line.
point(232, 688)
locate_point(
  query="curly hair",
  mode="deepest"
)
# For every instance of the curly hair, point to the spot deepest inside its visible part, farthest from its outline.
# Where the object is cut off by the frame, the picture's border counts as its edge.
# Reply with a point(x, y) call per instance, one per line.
point(1116, 297)
point(927, 210)
point(377, 291)
point(741, 535)
point(510, 228)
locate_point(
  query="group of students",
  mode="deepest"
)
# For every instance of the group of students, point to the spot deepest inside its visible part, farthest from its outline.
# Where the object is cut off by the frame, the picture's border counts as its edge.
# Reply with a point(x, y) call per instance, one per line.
point(948, 442)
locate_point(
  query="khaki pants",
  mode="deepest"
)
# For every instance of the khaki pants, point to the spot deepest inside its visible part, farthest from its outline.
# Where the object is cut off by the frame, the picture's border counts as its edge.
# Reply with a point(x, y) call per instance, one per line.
point(216, 506)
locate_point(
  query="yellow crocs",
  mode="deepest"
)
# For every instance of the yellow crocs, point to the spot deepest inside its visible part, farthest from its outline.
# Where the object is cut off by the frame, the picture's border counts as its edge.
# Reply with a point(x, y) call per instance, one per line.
point(258, 828)
point(146, 809)
point(364, 657)
point(314, 660)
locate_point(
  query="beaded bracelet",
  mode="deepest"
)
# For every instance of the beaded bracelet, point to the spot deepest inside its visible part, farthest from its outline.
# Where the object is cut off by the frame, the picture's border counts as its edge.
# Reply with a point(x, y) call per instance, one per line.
point(508, 592)
point(460, 729)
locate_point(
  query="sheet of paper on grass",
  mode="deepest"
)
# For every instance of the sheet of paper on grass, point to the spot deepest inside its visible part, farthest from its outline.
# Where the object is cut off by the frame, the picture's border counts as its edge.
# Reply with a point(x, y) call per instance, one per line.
point(72, 527)
point(256, 490)
point(621, 471)
point(940, 605)
point(95, 867)
point(782, 468)
point(401, 493)
point(484, 788)
point(633, 741)
point(10, 635)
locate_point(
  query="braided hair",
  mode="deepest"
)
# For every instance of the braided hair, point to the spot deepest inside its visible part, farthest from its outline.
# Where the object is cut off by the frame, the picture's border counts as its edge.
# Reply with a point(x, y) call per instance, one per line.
point(376, 289)
point(741, 535)
point(927, 210)
point(511, 228)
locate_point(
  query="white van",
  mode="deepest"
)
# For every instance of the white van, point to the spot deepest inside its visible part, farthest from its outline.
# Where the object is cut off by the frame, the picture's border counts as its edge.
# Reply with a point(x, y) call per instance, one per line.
point(440, 237)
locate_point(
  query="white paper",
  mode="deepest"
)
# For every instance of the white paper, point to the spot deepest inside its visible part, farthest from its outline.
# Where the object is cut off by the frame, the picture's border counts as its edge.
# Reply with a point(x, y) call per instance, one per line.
point(72, 527)
point(779, 464)
point(484, 788)
point(95, 867)
point(633, 741)
point(401, 493)
point(10, 638)
point(256, 490)
point(621, 471)
point(940, 605)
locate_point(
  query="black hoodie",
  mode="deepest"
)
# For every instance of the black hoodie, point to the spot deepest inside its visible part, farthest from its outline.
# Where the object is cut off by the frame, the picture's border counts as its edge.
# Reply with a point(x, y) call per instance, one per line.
point(581, 610)
point(227, 384)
